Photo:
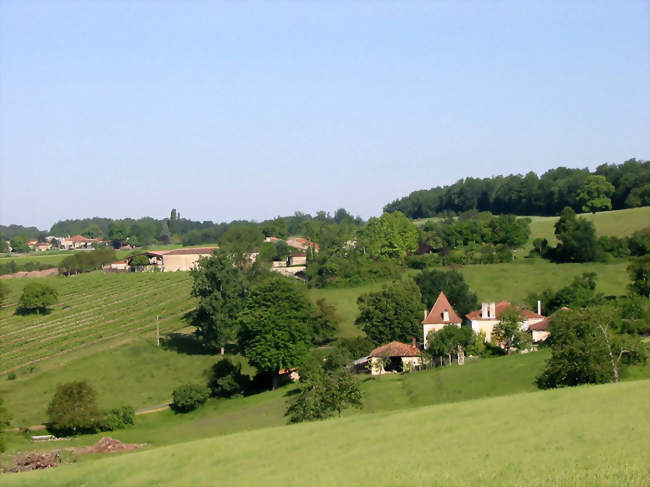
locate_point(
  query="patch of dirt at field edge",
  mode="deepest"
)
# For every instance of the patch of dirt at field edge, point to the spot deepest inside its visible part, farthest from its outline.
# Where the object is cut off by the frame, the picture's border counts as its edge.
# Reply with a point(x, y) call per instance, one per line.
point(43, 273)
point(107, 445)
point(36, 461)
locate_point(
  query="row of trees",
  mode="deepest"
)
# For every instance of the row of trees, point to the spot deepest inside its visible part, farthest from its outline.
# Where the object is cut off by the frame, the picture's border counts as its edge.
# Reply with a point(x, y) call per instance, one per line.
point(87, 261)
point(610, 186)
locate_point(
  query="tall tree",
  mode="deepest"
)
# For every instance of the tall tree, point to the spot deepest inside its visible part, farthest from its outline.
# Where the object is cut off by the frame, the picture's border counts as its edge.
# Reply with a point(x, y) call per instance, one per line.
point(393, 313)
point(639, 271)
point(577, 237)
point(595, 193)
point(222, 290)
point(275, 326)
point(389, 236)
point(508, 333)
point(453, 284)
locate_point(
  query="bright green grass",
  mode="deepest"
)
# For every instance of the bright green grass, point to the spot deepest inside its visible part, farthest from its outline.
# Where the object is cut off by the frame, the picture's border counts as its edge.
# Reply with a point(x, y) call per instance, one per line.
point(92, 308)
point(345, 300)
point(136, 373)
point(512, 282)
point(40, 258)
point(619, 223)
point(594, 435)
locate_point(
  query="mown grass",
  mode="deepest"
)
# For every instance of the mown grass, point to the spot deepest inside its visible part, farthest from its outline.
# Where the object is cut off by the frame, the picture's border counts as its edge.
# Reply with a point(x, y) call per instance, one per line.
point(591, 435)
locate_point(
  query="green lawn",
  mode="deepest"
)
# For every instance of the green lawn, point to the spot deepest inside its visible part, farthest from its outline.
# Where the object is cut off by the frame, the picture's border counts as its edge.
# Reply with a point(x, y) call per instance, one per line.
point(592, 435)
point(512, 282)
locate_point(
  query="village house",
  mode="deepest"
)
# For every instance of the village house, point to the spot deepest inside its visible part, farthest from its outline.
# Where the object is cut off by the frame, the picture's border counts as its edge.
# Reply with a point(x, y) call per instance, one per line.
point(392, 357)
point(540, 330)
point(174, 260)
point(485, 319)
point(441, 315)
point(77, 242)
point(43, 246)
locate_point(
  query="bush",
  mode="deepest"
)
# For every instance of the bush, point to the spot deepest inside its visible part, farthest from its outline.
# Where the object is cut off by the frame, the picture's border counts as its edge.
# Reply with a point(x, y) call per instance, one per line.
point(226, 379)
point(37, 297)
point(11, 376)
point(117, 418)
point(188, 397)
point(73, 409)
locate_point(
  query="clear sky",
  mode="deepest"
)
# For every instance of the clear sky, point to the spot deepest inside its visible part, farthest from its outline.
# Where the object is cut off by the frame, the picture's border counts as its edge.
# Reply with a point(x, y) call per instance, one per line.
point(229, 110)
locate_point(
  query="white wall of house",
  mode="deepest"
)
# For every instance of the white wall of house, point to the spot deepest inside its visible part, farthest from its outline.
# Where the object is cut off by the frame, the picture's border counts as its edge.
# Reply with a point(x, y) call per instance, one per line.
point(429, 327)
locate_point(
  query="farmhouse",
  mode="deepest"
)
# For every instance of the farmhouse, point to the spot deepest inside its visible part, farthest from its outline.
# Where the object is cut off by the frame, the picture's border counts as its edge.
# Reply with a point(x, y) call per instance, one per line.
point(392, 357)
point(441, 315)
point(540, 330)
point(43, 246)
point(486, 318)
point(175, 260)
point(77, 242)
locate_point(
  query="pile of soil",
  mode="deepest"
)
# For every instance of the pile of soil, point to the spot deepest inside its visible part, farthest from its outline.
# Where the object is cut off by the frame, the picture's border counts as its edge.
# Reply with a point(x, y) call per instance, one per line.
point(36, 461)
point(107, 445)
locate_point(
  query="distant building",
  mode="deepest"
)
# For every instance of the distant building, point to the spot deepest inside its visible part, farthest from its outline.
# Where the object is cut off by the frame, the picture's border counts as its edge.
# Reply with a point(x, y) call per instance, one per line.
point(441, 315)
point(182, 259)
point(392, 357)
point(486, 318)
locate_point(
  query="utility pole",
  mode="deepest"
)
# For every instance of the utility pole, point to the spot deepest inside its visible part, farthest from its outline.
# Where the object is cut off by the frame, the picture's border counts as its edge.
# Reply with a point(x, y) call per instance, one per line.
point(157, 331)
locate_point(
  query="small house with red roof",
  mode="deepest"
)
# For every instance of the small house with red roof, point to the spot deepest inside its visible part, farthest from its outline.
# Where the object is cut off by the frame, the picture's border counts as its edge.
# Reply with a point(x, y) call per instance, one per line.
point(441, 315)
point(485, 319)
point(540, 330)
point(392, 357)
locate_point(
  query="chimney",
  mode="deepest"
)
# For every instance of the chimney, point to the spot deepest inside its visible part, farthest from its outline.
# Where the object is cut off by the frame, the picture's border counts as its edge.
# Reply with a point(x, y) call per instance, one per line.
point(445, 315)
point(493, 310)
point(484, 310)
point(539, 307)
point(425, 314)
point(414, 342)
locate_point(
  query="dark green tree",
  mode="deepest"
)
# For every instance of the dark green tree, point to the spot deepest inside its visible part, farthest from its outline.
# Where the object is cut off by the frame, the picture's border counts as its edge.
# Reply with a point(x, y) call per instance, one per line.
point(325, 322)
point(222, 289)
point(19, 244)
point(577, 237)
point(118, 233)
point(393, 313)
point(453, 284)
point(37, 297)
point(450, 341)
point(188, 397)
point(595, 193)
point(73, 408)
point(639, 272)
point(584, 349)
point(276, 326)
point(226, 379)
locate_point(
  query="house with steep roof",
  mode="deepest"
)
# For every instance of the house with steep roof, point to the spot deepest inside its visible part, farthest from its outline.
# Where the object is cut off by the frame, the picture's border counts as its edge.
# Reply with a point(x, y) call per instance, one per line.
point(485, 319)
point(392, 357)
point(442, 314)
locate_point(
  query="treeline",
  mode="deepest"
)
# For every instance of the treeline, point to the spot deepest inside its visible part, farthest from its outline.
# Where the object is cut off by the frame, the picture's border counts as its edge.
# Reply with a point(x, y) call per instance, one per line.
point(12, 267)
point(86, 261)
point(146, 231)
point(610, 186)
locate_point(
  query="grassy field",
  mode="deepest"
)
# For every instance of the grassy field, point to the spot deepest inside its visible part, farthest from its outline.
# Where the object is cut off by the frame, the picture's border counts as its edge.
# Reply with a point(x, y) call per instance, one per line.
point(92, 308)
point(593, 435)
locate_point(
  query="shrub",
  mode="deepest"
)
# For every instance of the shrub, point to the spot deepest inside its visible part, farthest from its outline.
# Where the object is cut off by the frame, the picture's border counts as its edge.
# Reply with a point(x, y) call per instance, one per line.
point(226, 379)
point(11, 376)
point(117, 418)
point(188, 397)
point(73, 408)
point(37, 297)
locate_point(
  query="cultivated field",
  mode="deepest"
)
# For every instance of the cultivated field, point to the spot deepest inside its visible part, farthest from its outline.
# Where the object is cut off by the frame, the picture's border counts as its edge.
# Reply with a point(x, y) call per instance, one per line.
point(589, 435)
point(92, 308)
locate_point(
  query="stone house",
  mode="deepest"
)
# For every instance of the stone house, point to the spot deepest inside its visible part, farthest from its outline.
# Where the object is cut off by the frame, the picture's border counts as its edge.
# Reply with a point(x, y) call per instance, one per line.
point(485, 319)
point(441, 315)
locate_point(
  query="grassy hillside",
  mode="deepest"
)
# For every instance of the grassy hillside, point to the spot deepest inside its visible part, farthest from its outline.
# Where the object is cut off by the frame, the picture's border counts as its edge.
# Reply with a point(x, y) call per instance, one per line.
point(92, 308)
point(620, 223)
point(575, 436)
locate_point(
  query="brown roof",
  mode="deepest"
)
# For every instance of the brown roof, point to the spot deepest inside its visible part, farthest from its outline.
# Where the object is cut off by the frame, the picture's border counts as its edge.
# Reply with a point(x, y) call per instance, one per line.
point(540, 325)
point(301, 243)
point(395, 349)
point(81, 238)
point(193, 251)
point(501, 306)
point(435, 316)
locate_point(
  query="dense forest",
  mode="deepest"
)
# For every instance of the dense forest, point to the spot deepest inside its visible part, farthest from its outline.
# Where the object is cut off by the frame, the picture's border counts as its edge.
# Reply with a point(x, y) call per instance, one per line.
point(610, 186)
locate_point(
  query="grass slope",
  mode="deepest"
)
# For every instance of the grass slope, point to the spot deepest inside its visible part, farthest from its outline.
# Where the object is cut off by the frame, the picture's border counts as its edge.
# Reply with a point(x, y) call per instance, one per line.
point(92, 308)
point(576, 436)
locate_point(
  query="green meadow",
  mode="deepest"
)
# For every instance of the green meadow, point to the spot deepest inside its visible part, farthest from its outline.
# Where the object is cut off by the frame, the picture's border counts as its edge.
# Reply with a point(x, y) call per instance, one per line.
point(589, 435)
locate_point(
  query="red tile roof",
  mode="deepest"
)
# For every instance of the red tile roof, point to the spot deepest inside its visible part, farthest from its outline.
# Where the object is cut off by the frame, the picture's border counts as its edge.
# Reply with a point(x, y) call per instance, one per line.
point(435, 316)
point(501, 306)
point(395, 349)
point(540, 325)
point(302, 243)
point(82, 239)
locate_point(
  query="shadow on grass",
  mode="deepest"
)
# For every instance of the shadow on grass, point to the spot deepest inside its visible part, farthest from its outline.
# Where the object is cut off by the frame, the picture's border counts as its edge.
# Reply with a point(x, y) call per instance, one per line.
point(184, 343)
point(32, 311)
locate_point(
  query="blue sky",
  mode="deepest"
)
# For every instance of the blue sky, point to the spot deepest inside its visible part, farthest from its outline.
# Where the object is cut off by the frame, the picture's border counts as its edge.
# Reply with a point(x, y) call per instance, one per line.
point(229, 110)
